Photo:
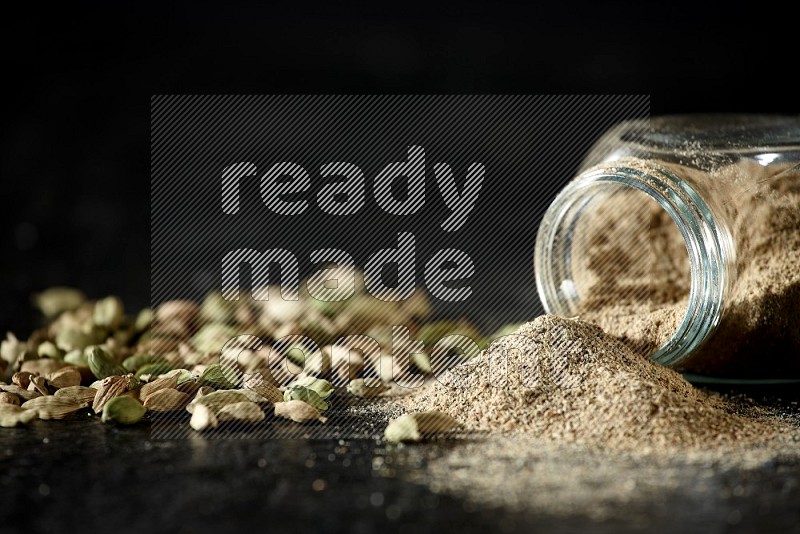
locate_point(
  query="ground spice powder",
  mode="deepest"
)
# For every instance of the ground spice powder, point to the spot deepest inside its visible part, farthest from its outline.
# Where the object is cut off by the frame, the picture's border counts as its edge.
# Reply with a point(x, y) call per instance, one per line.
point(567, 381)
point(636, 271)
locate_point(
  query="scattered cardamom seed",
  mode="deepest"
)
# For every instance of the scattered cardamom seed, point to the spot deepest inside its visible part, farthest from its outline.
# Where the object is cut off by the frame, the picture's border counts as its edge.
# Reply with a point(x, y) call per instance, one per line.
point(52, 302)
point(245, 412)
point(298, 411)
point(64, 377)
point(85, 339)
point(110, 387)
point(123, 410)
point(77, 394)
point(12, 415)
point(217, 399)
point(167, 382)
point(9, 398)
point(367, 387)
point(203, 417)
point(52, 407)
point(307, 395)
point(418, 426)
point(103, 365)
point(167, 400)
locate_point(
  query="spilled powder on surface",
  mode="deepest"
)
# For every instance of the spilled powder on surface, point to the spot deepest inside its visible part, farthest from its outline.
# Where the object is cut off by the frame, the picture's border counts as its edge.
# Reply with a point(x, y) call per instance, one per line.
point(566, 381)
point(565, 420)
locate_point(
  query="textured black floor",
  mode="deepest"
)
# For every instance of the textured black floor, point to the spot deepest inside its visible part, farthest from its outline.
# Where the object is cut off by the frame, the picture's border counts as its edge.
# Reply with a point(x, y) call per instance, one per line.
point(84, 476)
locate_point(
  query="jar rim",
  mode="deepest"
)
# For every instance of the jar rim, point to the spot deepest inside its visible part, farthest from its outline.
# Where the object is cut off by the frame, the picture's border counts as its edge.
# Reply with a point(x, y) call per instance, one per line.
point(707, 241)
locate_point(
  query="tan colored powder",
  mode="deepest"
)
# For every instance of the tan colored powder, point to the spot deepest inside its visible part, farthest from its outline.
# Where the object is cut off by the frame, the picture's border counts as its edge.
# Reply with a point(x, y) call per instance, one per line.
point(565, 380)
point(635, 272)
point(579, 421)
point(627, 251)
point(642, 328)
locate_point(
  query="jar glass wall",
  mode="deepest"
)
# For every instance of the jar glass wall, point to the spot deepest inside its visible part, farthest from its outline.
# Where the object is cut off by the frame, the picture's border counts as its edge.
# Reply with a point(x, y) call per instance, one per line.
point(680, 237)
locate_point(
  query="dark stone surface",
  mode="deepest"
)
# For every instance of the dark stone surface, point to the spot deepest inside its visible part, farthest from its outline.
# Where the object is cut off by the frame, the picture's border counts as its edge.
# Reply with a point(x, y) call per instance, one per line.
point(84, 476)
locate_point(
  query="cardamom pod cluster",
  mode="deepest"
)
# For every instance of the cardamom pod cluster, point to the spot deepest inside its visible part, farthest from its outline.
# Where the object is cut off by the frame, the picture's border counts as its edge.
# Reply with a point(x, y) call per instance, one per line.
point(93, 357)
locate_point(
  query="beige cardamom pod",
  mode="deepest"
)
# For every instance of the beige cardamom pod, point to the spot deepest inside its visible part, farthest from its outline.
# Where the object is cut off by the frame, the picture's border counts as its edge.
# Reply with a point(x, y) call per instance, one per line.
point(9, 398)
point(22, 393)
point(39, 385)
point(418, 426)
point(298, 411)
point(64, 377)
point(51, 407)
point(203, 417)
point(167, 400)
point(109, 387)
point(12, 415)
point(167, 382)
point(245, 412)
point(77, 394)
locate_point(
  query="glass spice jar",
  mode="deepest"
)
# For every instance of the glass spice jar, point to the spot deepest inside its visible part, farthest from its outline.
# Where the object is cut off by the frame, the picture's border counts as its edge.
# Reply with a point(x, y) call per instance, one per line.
point(681, 236)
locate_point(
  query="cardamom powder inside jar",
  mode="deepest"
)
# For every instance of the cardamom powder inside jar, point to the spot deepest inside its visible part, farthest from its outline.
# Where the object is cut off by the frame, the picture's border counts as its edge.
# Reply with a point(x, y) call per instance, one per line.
point(683, 243)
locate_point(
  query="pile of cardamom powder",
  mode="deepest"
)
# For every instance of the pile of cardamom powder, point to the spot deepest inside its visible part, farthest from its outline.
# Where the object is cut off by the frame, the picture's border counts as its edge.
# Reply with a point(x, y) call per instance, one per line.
point(566, 381)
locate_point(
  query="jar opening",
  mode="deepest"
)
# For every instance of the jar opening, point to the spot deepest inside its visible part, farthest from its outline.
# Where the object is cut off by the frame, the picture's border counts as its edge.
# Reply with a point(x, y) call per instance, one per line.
point(633, 249)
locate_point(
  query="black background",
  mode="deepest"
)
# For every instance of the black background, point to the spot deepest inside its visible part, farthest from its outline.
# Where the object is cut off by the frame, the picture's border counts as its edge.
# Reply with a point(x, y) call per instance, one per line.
point(75, 138)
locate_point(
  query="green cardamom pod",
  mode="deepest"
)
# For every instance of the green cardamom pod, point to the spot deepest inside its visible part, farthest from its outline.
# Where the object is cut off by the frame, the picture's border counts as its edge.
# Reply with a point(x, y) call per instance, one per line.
point(212, 337)
point(123, 410)
point(418, 426)
point(367, 387)
point(214, 377)
point(77, 357)
point(70, 338)
point(48, 349)
point(138, 360)
point(108, 312)
point(306, 395)
point(56, 300)
point(154, 368)
point(102, 364)
point(143, 320)
point(323, 388)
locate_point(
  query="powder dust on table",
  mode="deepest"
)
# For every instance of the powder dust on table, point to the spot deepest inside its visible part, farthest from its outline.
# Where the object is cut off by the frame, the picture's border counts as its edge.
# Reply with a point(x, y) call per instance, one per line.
point(567, 381)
